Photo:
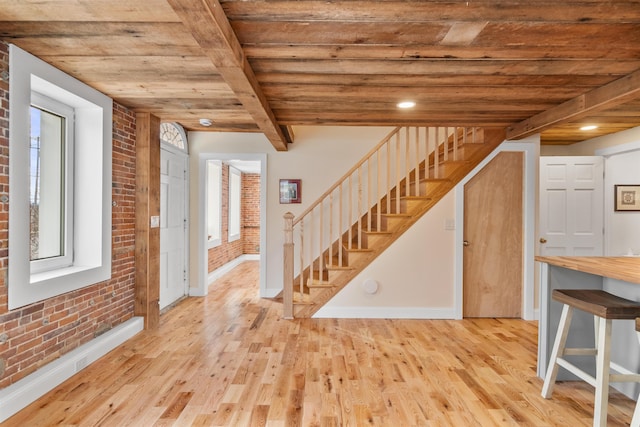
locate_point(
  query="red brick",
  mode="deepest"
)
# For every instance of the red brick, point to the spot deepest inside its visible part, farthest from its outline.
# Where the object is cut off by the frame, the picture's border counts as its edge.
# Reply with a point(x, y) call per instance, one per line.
point(72, 320)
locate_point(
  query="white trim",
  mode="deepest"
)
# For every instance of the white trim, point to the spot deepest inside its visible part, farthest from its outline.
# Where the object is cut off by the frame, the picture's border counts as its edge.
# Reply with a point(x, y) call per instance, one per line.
point(22, 393)
point(210, 165)
point(201, 281)
point(54, 223)
point(618, 149)
point(385, 313)
point(92, 183)
point(530, 147)
point(233, 193)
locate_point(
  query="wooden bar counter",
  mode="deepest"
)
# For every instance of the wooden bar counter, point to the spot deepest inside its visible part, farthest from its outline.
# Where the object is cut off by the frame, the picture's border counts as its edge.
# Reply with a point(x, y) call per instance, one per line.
point(617, 275)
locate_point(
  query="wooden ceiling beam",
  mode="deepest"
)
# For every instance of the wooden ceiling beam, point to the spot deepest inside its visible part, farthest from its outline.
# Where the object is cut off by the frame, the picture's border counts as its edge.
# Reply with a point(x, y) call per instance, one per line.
point(209, 26)
point(615, 93)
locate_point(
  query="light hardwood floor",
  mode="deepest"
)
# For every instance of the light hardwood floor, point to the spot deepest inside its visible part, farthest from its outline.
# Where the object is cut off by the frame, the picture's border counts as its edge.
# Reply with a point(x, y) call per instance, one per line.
point(230, 360)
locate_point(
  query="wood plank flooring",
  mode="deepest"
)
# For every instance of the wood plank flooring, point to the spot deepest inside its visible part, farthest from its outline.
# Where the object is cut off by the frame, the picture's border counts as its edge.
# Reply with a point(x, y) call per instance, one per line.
point(229, 359)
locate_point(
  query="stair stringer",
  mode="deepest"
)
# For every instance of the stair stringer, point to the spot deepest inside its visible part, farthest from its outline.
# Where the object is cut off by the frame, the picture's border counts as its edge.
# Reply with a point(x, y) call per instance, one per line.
point(325, 292)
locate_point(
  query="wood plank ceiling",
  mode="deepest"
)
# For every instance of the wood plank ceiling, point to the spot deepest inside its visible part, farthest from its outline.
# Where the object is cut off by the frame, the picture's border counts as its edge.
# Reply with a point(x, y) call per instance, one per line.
point(263, 66)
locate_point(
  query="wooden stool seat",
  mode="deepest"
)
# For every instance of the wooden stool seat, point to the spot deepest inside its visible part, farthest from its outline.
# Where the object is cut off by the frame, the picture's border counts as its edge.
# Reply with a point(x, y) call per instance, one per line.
point(599, 303)
point(605, 307)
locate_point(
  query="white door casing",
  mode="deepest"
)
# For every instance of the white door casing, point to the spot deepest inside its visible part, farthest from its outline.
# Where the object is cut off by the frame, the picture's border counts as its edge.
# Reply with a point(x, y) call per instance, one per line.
point(571, 206)
point(173, 227)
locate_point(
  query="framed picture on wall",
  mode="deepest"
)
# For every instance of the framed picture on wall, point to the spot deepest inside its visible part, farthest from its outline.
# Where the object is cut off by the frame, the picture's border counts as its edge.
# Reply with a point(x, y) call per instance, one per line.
point(290, 191)
point(627, 197)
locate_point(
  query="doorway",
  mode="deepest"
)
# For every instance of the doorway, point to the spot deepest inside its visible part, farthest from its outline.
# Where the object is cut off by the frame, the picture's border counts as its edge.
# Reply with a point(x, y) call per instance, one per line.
point(494, 239)
point(246, 163)
point(571, 206)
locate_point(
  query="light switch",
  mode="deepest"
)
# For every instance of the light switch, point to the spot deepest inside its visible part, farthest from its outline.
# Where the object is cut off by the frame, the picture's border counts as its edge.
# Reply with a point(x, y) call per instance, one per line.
point(155, 221)
point(450, 224)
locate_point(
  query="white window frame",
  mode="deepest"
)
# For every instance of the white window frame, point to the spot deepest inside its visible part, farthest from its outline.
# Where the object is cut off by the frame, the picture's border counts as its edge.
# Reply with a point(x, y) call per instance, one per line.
point(66, 259)
point(92, 181)
point(214, 202)
point(235, 203)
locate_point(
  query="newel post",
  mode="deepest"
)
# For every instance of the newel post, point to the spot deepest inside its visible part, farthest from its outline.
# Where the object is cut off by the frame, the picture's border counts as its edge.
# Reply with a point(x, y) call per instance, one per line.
point(287, 292)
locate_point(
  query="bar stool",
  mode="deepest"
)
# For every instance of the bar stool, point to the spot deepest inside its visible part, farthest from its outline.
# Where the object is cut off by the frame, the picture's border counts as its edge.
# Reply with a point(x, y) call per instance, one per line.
point(603, 306)
point(635, 421)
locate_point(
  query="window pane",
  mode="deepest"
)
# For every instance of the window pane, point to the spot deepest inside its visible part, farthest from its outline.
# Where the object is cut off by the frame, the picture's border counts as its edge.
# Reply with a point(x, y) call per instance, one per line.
point(46, 169)
point(214, 174)
point(234, 204)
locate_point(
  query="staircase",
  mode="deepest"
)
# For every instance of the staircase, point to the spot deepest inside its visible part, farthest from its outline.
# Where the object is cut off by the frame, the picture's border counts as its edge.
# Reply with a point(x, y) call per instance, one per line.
point(372, 205)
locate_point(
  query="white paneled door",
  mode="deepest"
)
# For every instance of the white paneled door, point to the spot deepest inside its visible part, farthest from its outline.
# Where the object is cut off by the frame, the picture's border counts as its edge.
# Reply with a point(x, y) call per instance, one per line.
point(571, 206)
point(173, 227)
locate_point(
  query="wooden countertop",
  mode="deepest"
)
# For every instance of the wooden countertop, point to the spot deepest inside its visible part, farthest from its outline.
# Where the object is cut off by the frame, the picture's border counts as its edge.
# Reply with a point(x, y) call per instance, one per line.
point(621, 268)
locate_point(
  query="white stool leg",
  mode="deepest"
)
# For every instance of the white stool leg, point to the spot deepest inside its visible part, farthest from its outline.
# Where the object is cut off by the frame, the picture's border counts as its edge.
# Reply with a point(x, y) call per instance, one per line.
point(635, 421)
point(603, 359)
point(558, 350)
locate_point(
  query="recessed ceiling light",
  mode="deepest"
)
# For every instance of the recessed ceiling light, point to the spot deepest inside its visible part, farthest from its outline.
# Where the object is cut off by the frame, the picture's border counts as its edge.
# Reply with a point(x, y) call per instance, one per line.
point(205, 122)
point(406, 104)
point(589, 127)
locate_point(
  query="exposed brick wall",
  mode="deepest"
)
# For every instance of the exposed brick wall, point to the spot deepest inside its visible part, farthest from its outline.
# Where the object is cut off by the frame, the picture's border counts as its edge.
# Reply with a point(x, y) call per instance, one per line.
point(37, 334)
point(249, 242)
point(250, 213)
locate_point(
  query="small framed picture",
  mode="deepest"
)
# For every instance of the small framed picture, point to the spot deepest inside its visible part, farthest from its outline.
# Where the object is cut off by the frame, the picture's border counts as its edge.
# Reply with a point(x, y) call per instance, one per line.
point(290, 191)
point(627, 197)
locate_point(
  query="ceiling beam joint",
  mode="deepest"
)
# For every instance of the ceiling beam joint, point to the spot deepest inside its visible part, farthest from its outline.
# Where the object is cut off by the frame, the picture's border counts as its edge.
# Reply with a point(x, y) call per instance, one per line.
point(617, 92)
point(209, 26)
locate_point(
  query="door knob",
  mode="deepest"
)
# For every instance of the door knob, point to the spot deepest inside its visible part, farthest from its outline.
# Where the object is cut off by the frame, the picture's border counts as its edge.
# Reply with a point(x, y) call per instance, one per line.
point(465, 243)
point(543, 240)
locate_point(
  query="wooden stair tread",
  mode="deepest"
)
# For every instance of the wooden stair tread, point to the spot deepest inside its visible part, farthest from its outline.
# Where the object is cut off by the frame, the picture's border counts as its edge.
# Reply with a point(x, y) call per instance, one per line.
point(333, 267)
point(378, 232)
point(355, 250)
point(416, 198)
point(320, 285)
point(304, 299)
point(433, 179)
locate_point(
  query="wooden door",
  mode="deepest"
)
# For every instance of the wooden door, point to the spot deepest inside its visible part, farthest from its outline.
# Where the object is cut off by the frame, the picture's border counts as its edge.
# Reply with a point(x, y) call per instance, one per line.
point(571, 206)
point(493, 233)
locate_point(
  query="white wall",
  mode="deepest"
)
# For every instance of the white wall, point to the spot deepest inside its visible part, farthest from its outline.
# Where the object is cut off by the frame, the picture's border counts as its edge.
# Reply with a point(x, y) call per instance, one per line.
point(622, 229)
point(415, 274)
point(319, 157)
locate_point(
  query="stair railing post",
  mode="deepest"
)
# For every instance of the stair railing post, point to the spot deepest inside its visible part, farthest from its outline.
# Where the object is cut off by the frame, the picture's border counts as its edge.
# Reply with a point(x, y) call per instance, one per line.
point(287, 291)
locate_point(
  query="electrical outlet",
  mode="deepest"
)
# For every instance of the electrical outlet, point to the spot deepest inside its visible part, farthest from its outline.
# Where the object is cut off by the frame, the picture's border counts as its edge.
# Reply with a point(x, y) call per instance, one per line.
point(450, 224)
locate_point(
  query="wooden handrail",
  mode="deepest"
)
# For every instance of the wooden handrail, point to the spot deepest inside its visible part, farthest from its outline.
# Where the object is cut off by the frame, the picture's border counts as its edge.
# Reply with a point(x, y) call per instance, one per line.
point(345, 176)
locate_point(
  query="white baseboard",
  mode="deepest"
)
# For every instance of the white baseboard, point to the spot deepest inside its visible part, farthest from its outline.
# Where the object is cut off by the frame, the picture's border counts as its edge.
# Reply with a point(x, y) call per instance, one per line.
point(22, 393)
point(221, 271)
point(270, 293)
point(536, 314)
point(385, 313)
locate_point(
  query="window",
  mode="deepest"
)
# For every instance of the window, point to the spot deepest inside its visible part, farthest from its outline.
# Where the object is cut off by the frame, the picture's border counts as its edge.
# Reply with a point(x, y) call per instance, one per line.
point(234, 203)
point(60, 182)
point(50, 170)
point(214, 194)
